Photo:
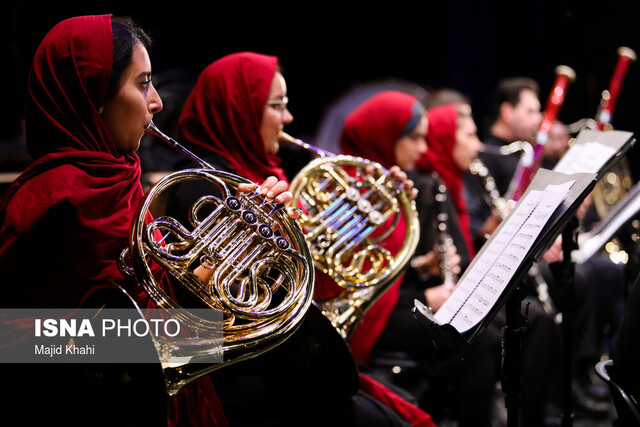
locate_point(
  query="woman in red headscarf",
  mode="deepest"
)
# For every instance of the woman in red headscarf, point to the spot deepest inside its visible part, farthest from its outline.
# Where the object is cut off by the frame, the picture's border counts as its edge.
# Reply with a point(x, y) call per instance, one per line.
point(388, 128)
point(65, 220)
point(453, 144)
point(74, 203)
point(232, 119)
point(384, 129)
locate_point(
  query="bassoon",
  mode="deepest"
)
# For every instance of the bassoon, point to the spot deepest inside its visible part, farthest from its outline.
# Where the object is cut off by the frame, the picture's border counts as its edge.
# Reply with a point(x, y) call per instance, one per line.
point(610, 96)
point(617, 181)
point(529, 165)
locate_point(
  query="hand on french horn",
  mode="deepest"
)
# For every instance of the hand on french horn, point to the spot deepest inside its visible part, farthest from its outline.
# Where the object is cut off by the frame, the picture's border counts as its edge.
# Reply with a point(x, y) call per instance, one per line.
point(401, 177)
point(271, 188)
point(275, 189)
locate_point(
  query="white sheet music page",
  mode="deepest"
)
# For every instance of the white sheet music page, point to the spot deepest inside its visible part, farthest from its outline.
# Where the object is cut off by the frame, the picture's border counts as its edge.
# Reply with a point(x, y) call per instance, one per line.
point(481, 286)
point(587, 157)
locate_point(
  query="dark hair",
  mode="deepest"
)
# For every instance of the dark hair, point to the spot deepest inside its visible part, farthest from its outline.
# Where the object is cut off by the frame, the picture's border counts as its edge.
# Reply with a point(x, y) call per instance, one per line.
point(508, 90)
point(445, 96)
point(126, 34)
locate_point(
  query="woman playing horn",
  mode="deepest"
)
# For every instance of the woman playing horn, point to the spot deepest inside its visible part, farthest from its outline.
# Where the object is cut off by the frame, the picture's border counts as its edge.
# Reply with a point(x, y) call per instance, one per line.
point(90, 98)
point(388, 128)
point(233, 118)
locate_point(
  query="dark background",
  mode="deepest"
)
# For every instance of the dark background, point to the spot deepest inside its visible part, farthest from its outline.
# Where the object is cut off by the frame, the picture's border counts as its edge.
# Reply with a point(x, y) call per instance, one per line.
point(327, 48)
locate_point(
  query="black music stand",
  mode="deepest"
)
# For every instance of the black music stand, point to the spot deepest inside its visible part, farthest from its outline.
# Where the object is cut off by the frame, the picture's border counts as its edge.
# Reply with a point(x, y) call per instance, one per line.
point(447, 340)
point(511, 380)
point(563, 295)
point(592, 154)
point(597, 152)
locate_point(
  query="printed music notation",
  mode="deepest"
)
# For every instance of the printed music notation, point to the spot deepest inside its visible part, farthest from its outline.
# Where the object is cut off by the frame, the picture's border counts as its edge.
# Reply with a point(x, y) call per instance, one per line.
point(594, 151)
point(482, 284)
point(588, 157)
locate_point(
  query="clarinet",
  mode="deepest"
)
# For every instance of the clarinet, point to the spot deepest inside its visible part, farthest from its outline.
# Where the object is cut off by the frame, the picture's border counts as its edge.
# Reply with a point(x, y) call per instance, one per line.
point(530, 164)
point(491, 193)
point(493, 199)
point(444, 239)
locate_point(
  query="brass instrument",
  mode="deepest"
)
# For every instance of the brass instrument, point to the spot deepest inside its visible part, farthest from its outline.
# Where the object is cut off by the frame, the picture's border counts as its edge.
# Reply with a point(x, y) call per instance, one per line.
point(259, 264)
point(617, 181)
point(348, 213)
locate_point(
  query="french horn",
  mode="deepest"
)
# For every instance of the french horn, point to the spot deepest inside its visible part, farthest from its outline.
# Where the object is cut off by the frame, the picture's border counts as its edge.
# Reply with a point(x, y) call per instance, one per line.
point(258, 262)
point(348, 211)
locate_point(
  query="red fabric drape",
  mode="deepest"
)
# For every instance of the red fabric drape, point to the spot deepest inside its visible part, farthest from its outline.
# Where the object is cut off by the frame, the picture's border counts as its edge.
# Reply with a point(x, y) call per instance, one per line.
point(223, 113)
point(66, 219)
point(441, 138)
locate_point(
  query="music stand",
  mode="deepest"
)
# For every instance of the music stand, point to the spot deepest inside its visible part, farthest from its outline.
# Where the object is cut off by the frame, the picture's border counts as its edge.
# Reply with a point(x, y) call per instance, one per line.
point(594, 151)
point(493, 278)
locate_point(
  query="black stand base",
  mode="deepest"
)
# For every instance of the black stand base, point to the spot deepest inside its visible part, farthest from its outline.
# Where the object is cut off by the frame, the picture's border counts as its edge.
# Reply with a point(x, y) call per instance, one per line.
point(563, 296)
point(512, 354)
point(562, 293)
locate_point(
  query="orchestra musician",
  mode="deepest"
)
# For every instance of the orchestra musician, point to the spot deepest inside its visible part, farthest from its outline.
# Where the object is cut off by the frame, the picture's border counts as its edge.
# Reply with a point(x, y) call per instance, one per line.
point(90, 98)
point(598, 283)
point(599, 291)
point(368, 131)
point(454, 144)
point(233, 118)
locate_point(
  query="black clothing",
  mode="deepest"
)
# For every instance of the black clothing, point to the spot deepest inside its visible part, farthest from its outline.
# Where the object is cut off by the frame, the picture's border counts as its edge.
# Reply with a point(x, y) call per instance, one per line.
point(502, 168)
point(311, 379)
point(625, 349)
point(598, 284)
point(466, 383)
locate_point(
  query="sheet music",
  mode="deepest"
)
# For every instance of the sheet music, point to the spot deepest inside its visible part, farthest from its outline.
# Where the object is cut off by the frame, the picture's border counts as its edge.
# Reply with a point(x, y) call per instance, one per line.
point(480, 287)
point(585, 157)
point(590, 243)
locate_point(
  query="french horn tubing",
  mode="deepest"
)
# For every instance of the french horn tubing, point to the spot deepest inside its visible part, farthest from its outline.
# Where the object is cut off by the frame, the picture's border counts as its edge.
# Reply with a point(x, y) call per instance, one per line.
point(347, 214)
point(261, 270)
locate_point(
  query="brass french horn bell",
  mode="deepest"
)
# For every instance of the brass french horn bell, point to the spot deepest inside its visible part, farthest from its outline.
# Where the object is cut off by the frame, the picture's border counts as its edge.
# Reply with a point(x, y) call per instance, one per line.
point(259, 264)
point(347, 214)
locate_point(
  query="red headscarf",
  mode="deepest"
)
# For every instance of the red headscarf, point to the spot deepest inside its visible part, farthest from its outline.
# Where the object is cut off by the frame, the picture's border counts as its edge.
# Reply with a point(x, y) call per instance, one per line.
point(441, 139)
point(224, 113)
point(79, 194)
point(371, 131)
point(373, 128)
point(66, 219)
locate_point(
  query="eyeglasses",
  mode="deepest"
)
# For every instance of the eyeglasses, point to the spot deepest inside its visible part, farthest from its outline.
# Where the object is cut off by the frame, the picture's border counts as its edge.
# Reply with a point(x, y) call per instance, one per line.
point(279, 105)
